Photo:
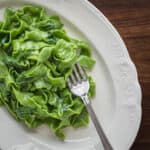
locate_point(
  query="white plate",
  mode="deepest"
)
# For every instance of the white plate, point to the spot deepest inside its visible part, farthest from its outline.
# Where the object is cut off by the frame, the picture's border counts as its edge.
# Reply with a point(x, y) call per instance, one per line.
point(118, 98)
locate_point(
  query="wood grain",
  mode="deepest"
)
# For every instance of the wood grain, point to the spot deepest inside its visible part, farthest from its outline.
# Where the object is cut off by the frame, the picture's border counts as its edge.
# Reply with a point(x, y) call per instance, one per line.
point(132, 20)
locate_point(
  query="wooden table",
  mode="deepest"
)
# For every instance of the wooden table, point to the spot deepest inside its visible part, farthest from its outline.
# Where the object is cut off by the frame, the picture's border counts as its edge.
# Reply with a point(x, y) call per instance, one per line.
point(132, 20)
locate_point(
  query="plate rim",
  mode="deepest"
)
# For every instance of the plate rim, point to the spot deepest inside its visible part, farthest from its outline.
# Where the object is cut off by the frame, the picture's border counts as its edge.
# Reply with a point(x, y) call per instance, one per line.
point(130, 61)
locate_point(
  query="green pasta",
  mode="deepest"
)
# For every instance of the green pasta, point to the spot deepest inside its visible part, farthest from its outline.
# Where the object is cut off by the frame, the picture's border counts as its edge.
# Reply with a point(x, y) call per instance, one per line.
point(36, 58)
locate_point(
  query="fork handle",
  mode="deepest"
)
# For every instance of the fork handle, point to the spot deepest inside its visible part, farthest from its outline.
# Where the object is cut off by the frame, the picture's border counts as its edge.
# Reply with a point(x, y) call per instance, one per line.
point(104, 139)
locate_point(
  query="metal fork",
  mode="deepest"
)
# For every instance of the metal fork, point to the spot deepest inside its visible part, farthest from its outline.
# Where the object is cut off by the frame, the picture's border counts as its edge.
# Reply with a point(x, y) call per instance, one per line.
point(79, 86)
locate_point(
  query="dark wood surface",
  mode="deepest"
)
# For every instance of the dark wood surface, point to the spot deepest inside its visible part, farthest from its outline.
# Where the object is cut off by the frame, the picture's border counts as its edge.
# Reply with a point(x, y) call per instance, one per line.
point(132, 20)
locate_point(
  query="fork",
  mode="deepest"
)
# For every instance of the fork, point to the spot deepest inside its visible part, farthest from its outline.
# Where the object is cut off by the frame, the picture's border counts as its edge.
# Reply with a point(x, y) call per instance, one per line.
point(79, 86)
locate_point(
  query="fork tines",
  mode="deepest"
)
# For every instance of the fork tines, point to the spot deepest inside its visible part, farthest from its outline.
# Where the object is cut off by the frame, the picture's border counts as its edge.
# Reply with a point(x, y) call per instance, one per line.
point(78, 74)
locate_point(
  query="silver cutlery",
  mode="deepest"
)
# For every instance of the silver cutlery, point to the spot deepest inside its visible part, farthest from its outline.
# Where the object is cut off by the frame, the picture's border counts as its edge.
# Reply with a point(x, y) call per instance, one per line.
point(79, 86)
